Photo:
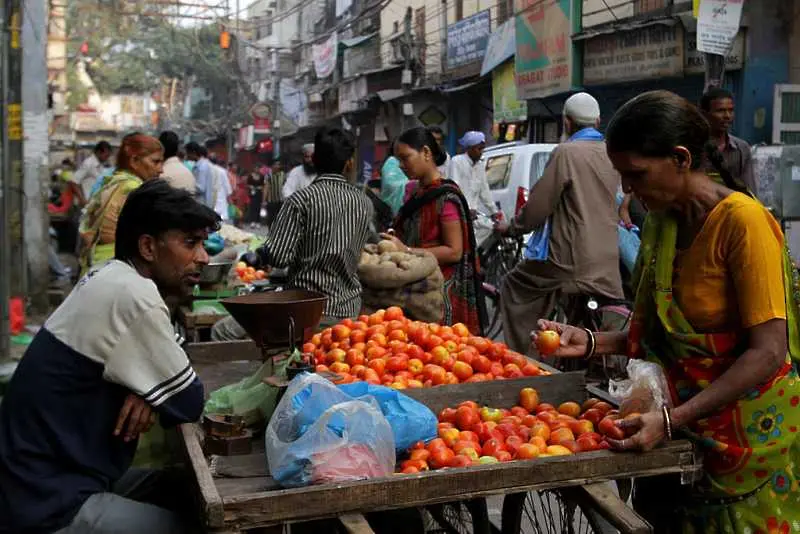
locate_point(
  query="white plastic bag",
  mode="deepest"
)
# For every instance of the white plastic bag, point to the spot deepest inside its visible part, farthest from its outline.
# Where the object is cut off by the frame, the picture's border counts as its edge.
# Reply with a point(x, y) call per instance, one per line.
point(319, 434)
point(643, 391)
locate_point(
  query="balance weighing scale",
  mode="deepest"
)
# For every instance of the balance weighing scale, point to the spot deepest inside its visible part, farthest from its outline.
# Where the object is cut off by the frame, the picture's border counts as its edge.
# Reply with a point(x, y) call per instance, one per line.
point(277, 321)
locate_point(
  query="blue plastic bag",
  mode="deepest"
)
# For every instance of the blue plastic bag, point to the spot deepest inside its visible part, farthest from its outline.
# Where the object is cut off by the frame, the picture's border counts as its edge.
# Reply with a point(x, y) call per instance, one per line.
point(538, 248)
point(319, 434)
point(411, 421)
point(629, 243)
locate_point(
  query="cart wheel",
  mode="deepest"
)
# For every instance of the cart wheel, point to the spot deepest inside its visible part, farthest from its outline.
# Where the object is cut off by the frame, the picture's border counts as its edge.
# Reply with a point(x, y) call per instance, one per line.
point(460, 517)
point(548, 512)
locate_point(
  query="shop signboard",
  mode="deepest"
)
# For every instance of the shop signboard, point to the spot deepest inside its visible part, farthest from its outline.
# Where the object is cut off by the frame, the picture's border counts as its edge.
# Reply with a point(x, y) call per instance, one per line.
point(649, 52)
point(717, 25)
point(467, 40)
point(325, 54)
point(695, 61)
point(507, 108)
point(502, 45)
point(543, 62)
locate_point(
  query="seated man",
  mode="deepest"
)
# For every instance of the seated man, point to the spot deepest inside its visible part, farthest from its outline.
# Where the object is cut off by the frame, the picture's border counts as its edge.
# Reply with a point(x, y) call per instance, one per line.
point(318, 235)
point(88, 383)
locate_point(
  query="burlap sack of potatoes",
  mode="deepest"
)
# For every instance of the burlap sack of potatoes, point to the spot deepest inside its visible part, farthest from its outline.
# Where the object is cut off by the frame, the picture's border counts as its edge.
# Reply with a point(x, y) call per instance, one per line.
point(422, 300)
point(394, 270)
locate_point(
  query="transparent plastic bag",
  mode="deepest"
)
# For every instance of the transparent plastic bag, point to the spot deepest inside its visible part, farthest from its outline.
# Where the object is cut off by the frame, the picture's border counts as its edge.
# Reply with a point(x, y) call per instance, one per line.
point(319, 434)
point(643, 391)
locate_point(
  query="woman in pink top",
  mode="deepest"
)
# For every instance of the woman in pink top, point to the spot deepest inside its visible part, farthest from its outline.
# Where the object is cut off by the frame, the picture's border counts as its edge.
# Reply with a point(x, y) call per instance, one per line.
point(435, 217)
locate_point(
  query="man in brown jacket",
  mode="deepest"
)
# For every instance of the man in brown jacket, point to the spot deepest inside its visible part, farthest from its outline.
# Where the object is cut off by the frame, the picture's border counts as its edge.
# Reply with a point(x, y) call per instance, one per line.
point(577, 193)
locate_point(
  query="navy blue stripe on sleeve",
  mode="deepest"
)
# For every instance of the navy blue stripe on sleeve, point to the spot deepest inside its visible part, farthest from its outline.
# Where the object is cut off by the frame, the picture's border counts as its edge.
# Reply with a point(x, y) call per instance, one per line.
point(183, 407)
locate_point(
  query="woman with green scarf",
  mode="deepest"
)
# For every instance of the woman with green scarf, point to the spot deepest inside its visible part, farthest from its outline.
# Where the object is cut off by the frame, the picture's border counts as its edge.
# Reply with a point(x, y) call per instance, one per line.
point(716, 308)
point(140, 158)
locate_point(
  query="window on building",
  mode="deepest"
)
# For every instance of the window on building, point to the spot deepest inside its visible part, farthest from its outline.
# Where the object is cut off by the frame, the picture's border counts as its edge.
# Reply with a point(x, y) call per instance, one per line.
point(498, 171)
point(459, 9)
point(268, 22)
point(420, 31)
point(505, 10)
point(641, 7)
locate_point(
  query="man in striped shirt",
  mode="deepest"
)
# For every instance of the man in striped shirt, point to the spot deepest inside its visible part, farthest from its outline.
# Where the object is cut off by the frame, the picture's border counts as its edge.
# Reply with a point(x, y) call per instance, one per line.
point(319, 234)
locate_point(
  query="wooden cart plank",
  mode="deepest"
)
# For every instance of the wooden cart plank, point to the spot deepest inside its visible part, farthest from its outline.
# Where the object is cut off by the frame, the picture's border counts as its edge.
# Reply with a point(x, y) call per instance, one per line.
point(404, 491)
point(223, 351)
point(355, 524)
point(554, 389)
point(212, 502)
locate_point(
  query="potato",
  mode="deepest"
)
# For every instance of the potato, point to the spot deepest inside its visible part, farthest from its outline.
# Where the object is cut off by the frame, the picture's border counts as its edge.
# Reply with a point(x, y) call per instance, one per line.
point(386, 246)
point(405, 265)
point(371, 248)
point(365, 258)
point(387, 265)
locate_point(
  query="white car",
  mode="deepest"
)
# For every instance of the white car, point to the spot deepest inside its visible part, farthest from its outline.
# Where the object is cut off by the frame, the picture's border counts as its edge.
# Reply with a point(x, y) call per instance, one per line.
point(512, 169)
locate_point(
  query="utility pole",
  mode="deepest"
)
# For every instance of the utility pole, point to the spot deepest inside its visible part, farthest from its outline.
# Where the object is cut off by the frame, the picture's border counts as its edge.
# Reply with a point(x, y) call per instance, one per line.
point(715, 70)
point(407, 68)
point(5, 251)
point(36, 150)
point(12, 252)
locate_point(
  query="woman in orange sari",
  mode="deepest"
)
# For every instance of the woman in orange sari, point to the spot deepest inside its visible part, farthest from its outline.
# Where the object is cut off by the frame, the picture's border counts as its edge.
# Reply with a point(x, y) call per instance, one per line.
point(715, 307)
point(140, 158)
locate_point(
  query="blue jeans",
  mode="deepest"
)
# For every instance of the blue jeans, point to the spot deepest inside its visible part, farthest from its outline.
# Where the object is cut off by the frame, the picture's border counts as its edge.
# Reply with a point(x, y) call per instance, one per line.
point(128, 509)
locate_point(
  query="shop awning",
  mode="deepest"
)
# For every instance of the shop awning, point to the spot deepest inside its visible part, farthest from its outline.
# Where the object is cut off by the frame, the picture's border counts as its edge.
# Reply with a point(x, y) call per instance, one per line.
point(355, 41)
point(387, 95)
point(605, 30)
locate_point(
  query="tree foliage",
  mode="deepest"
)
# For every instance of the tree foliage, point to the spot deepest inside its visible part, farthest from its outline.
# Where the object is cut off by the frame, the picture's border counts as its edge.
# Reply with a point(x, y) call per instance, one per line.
point(134, 53)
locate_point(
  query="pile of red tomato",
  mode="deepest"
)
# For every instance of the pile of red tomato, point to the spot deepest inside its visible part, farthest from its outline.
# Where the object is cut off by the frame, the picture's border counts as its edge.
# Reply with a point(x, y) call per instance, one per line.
point(389, 349)
point(474, 435)
point(248, 274)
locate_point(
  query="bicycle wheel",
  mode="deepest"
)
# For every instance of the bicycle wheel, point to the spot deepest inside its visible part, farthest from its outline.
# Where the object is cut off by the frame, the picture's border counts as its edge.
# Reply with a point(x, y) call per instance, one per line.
point(460, 517)
point(549, 512)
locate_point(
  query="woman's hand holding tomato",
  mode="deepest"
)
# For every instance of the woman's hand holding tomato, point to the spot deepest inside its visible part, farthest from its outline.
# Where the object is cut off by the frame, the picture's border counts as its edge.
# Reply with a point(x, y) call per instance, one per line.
point(647, 432)
point(574, 341)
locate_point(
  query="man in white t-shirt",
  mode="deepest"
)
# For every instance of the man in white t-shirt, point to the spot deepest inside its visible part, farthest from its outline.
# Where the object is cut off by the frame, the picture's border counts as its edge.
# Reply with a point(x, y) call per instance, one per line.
point(102, 364)
point(92, 167)
point(222, 189)
point(468, 170)
point(301, 176)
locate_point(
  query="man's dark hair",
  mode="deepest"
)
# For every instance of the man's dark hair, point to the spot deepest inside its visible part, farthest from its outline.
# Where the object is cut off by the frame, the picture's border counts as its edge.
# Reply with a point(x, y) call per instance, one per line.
point(154, 209)
point(435, 130)
point(333, 148)
point(714, 93)
point(102, 146)
point(196, 148)
point(170, 142)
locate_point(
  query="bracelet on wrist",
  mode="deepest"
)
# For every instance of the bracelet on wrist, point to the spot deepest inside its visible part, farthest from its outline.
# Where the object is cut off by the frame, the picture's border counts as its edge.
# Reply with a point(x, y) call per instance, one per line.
point(667, 422)
point(591, 345)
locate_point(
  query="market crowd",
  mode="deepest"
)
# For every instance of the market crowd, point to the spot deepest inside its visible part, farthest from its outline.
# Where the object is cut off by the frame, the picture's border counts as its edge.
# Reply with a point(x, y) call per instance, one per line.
point(713, 292)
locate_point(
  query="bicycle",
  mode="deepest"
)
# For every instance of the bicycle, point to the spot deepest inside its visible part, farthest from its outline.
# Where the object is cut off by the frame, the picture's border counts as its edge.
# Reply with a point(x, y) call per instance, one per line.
point(498, 255)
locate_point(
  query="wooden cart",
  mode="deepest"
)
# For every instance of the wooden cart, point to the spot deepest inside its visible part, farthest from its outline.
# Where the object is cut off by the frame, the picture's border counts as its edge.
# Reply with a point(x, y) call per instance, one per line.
point(243, 497)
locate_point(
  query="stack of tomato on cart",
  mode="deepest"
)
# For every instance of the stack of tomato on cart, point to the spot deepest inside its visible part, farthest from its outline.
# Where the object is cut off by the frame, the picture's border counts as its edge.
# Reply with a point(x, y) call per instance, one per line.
point(470, 434)
point(389, 349)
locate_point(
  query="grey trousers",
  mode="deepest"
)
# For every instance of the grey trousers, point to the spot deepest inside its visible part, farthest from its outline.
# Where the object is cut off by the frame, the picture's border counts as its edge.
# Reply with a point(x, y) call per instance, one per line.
point(227, 329)
point(131, 507)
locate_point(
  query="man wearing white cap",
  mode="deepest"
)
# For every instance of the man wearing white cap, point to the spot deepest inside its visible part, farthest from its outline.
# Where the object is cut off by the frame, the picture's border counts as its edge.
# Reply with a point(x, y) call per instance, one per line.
point(577, 195)
point(468, 170)
point(301, 176)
